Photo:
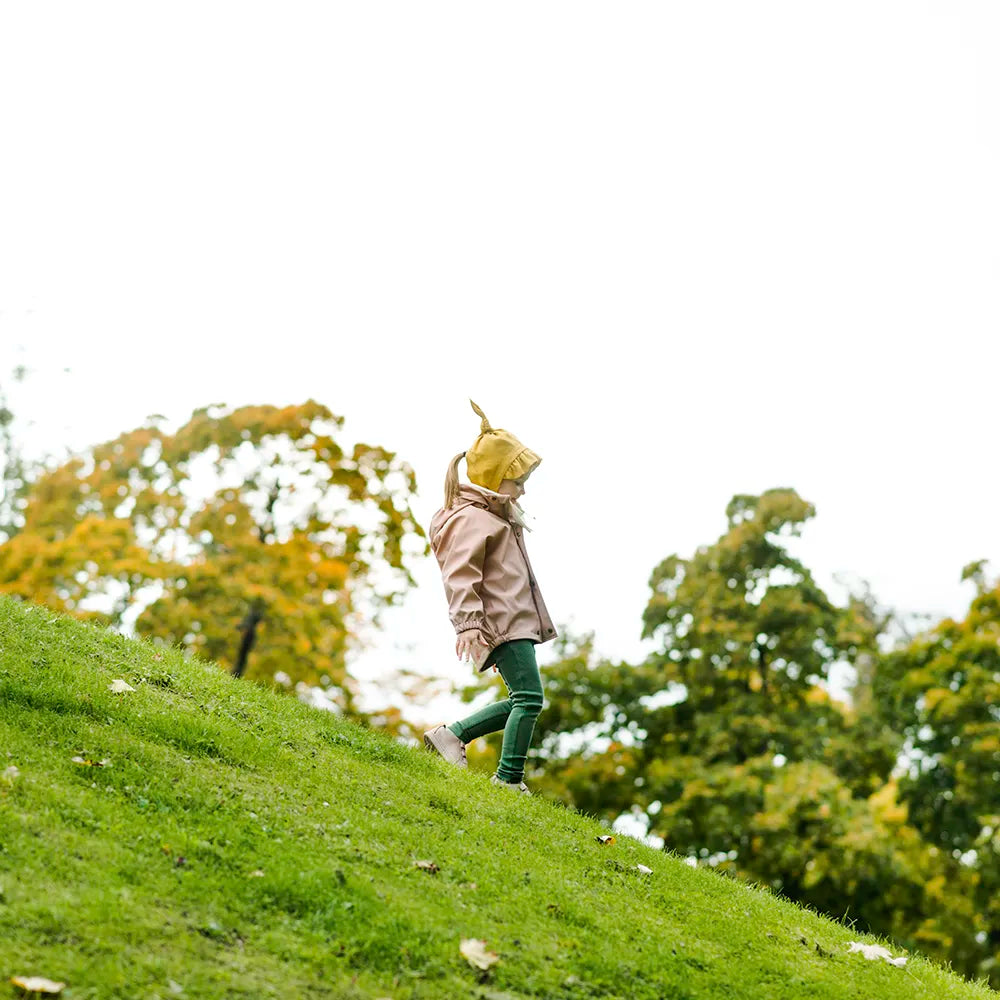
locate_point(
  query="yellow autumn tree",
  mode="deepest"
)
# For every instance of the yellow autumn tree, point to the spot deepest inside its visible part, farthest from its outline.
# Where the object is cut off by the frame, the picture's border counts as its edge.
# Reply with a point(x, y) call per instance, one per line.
point(249, 536)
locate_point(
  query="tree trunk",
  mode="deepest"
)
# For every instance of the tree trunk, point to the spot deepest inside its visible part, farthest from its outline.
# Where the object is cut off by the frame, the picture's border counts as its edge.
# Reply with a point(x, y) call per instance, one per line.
point(249, 629)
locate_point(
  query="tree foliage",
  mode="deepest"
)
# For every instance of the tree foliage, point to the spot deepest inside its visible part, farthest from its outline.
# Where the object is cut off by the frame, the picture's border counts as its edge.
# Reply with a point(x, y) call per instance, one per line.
point(240, 514)
point(726, 744)
point(942, 692)
point(746, 636)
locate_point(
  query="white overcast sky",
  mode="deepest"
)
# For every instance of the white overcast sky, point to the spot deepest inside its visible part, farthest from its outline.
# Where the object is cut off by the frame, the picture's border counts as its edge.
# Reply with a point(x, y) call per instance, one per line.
point(683, 250)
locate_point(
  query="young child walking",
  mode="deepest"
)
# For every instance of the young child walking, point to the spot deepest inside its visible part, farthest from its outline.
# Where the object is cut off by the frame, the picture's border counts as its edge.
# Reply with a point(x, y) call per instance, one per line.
point(493, 598)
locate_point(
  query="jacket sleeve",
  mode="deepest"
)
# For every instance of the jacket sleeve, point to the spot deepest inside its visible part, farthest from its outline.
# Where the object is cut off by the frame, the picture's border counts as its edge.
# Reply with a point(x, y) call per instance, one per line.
point(460, 549)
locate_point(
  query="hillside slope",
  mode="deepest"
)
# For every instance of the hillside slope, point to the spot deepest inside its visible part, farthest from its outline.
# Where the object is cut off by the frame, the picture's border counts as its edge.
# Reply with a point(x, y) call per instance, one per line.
point(235, 843)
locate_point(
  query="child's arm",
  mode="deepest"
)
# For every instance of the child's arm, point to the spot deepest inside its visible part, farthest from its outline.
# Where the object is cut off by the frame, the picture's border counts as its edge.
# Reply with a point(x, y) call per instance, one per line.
point(460, 548)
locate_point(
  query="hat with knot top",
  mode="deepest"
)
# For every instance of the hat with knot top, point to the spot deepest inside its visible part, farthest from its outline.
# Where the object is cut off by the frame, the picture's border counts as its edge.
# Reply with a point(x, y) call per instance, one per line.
point(497, 455)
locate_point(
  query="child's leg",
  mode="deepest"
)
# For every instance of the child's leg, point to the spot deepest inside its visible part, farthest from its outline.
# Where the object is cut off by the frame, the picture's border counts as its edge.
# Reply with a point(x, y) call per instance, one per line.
point(490, 719)
point(519, 669)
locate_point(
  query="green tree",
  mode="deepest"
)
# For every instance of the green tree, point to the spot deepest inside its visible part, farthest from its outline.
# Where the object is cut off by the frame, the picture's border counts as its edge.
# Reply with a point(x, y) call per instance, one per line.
point(746, 638)
point(942, 691)
point(726, 745)
point(247, 529)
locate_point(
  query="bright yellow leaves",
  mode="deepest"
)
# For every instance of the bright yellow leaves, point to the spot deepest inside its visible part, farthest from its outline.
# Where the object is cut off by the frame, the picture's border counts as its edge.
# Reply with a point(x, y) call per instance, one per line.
point(886, 807)
point(257, 506)
point(941, 701)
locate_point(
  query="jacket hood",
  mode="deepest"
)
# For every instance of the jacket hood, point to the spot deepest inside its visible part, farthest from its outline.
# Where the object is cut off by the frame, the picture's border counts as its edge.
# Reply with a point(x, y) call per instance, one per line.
point(472, 495)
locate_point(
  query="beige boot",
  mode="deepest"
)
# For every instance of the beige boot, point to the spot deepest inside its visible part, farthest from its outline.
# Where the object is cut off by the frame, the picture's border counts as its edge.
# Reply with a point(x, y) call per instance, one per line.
point(442, 740)
point(514, 786)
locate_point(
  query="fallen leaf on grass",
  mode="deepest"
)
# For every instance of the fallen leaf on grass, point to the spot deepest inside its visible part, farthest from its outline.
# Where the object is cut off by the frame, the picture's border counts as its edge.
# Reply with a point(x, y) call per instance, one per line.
point(118, 686)
point(87, 762)
point(605, 841)
point(876, 951)
point(427, 866)
point(37, 984)
point(475, 953)
point(644, 870)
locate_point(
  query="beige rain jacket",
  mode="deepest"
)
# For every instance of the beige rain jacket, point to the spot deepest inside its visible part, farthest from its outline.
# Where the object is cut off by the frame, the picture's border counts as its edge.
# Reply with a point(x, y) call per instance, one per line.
point(488, 580)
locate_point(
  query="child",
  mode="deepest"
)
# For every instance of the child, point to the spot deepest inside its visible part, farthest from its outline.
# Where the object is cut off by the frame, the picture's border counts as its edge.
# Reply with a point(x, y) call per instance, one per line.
point(493, 599)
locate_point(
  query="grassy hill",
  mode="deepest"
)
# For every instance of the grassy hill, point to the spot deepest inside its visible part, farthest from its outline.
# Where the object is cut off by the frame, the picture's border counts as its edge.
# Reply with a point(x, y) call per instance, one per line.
point(239, 844)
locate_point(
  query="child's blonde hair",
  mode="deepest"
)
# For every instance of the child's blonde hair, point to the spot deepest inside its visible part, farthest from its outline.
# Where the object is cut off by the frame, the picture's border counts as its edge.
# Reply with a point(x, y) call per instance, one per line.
point(451, 480)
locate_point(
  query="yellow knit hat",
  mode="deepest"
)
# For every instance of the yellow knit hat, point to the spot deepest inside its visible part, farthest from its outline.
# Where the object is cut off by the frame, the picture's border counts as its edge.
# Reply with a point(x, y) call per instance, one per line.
point(497, 455)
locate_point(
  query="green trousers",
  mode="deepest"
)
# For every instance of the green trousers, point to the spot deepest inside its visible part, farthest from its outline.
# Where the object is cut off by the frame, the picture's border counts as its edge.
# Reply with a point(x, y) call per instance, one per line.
point(516, 714)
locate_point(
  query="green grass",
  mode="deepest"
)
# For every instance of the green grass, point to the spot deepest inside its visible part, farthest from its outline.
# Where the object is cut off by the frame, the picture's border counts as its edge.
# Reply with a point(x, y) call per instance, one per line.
point(240, 844)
